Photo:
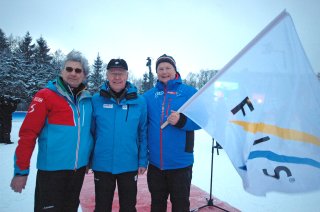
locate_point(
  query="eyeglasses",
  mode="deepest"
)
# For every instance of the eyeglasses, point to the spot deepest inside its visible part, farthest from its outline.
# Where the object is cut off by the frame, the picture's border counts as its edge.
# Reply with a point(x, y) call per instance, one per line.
point(70, 69)
point(115, 74)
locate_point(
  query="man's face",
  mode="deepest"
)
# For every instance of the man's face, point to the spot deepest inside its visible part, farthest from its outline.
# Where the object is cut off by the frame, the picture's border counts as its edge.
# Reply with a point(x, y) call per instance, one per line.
point(165, 72)
point(117, 78)
point(73, 74)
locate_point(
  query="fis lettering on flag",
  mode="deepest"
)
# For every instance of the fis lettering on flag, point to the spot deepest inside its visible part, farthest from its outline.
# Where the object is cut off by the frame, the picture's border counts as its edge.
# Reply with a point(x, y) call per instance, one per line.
point(263, 108)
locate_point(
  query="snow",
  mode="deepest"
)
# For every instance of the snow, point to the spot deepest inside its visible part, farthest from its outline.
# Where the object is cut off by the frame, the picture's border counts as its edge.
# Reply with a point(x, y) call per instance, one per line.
point(226, 184)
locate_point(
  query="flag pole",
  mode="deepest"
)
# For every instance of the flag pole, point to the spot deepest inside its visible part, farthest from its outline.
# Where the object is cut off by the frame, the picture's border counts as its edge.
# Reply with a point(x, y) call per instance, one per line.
point(164, 124)
point(210, 200)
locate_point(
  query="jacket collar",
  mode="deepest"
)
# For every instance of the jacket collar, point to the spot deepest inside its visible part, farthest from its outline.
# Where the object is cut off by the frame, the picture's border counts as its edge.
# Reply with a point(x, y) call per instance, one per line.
point(129, 92)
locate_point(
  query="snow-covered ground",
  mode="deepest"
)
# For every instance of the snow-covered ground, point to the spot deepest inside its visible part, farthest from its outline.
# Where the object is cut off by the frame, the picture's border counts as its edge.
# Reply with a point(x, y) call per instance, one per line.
point(227, 185)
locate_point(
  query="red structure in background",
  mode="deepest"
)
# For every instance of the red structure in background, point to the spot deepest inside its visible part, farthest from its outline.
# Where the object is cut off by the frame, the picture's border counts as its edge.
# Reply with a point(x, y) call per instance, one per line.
point(197, 197)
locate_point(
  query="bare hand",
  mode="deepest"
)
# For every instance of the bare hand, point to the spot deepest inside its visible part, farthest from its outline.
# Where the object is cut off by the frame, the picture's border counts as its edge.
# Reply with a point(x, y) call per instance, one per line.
point(141, 170)
point(18, 183)
point(173, 117)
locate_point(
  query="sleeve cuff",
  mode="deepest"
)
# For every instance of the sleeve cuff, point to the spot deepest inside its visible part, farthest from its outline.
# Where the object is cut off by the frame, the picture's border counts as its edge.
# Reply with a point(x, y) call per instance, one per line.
point(182, 121)
point(21, 172)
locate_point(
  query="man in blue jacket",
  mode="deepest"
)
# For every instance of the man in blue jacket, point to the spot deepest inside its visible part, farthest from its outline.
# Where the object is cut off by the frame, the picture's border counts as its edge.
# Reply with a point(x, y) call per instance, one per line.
point(120, 131)
point(171, 148)
point(59, 120)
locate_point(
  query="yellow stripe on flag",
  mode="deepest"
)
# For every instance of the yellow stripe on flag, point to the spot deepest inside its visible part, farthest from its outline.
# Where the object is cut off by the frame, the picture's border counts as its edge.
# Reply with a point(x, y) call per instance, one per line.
point(284, 133)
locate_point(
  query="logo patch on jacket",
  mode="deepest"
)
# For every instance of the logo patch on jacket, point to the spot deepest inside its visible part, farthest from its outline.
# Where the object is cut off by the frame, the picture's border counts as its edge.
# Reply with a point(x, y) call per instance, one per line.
point(172, 92)
point(37, 99)
point(124, 107)
point(107, 105)
point(158, 93)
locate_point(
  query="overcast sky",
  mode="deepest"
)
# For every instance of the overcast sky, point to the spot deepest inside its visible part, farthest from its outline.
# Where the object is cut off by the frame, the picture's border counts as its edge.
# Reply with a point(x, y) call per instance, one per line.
point(199, 34)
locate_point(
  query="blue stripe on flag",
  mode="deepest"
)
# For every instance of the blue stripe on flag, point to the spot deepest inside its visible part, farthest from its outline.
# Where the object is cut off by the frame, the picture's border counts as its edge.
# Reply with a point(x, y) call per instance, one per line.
point(283, 158)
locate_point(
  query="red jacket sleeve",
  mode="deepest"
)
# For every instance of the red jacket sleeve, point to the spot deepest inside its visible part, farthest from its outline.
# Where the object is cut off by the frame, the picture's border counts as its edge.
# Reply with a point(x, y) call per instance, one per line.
point(30, 129)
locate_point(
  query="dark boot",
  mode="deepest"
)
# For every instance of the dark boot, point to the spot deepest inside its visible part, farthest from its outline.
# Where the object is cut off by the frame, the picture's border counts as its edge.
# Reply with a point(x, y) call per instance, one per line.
point(6, 138)
point(1, 134)
point(1, 139)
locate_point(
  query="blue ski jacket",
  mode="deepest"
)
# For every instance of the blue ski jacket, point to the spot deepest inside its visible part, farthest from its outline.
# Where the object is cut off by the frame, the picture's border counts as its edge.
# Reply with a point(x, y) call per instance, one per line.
point(171, 147)
point(120, 131)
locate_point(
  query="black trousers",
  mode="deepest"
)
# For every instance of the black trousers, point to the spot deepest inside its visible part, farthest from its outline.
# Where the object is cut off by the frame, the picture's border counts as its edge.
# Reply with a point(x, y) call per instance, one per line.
point(5, 128)
point(175, 182)
point(105, 184)
point(58, 191)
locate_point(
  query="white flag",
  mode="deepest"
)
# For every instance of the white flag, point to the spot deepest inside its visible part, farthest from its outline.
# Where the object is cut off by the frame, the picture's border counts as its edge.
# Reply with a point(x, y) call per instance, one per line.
point(263, 107)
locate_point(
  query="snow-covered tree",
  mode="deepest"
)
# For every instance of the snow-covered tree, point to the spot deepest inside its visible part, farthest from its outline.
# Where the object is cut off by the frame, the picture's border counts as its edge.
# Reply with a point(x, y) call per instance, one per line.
point(191, 80)
point(200, 79)
point(4, 44)
point(57, 60)
point(44, 70)
point(148, 78)
point(41, 53)
point(145, 83)
point(26, 67)
point(12, 82)
point(26, 48)
point(205, 76)
point(96, 77)
point(13, 42)
point(136, 82)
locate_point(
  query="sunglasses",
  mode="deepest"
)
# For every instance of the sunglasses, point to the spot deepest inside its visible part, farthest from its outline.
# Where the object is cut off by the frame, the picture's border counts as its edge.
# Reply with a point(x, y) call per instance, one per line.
point(70, 69)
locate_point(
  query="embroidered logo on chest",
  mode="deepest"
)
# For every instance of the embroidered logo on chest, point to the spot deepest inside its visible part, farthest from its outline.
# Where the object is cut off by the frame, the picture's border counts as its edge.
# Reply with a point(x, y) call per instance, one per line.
point(108, 106)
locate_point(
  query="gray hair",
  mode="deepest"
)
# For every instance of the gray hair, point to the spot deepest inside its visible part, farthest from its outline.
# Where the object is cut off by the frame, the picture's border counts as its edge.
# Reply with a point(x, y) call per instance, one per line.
point(77, 56)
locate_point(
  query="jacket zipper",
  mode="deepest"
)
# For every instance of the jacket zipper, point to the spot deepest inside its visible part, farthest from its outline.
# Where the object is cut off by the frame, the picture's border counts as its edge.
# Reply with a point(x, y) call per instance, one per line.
point(161, 121)
point(78, 140)
point(128, 106)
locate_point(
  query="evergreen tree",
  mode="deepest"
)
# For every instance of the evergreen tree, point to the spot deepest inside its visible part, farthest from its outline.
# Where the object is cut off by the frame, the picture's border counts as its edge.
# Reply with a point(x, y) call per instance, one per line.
point(41, 52)
point(12, 82)
point(96, 76)
point(26, 48)
point(150, 76)
point(145, 83)
point(200, 79)
point(10, 70)
point(31, 73)
point(57, 60)
point(191, 80)
point(136, 82)
point(4, 44)
point(205, 76)
point(13, 43)
point(151, 80)
point(42, 66)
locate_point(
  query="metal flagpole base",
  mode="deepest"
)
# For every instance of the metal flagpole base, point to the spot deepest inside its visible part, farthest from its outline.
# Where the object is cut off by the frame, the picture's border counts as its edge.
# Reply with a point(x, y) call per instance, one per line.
point(210, 200)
